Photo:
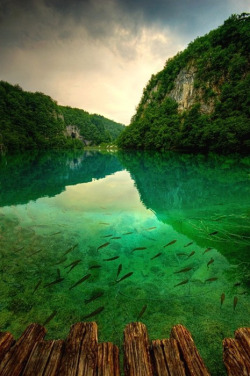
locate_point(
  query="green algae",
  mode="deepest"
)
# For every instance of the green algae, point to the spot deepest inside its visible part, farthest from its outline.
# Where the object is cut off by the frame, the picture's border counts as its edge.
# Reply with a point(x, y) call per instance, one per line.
point(156, 200)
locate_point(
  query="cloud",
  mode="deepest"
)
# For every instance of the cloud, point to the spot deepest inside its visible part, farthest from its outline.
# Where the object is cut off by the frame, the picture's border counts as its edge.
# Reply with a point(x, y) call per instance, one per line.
point(99, 54)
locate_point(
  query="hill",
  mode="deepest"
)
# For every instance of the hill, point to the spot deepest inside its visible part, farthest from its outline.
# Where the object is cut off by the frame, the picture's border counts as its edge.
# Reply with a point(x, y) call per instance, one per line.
point(200, 100)
point(35, 121)
point(92, 128)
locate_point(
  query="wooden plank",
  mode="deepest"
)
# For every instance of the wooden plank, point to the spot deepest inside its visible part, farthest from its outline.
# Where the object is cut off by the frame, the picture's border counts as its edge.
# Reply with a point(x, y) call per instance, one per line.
point(16, 358)
point(44, 359)
point(88, 353)
point(235, 362)
point(166, 358)
point(6, 341)
point(243, 337)
point(80, 354)
point(137, 360)
point(194, 364)
point(38, 359)
point(108, 360)
point(55, 359)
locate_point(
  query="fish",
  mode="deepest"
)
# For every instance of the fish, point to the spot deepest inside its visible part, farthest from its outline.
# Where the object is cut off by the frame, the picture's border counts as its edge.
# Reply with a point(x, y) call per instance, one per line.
point(19, 249)
point(222, 298)
point(182, 283)
point(150, 228)
point(170, 243)
point(211, 279)
point(112, 258)
point(103, 246)
point(210, 261)
point(207, 250)
point(80, 281)
point(72, 263)
point(187, 245)
point(104, 223)
point(58, 280)
point(119, 270)
point(73, 266)
point(127, 233)
point(34, 253)
point(142, 311)
point(139, 249)
point(213, 233)
point(124, 277)
point(116, 237)
point(107, 236)
point(50, 318)
point(184, 270)
point(56, 233)
point(37, 285)
point(191, 254)
point(70, 249)
point(158, 254)
point(58, 273)
point(181, 254)
point(237, 284)
point(61, 261)
point(98, 310)
point(235, 302)
point(95, 267)
point(93, 297)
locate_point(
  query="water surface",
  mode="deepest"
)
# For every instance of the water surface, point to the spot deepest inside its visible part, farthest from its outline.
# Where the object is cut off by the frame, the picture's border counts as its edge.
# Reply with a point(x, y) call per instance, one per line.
point(179, 223)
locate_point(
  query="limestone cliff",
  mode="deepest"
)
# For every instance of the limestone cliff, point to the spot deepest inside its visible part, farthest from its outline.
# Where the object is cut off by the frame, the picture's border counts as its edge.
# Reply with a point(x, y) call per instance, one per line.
point(74, 132)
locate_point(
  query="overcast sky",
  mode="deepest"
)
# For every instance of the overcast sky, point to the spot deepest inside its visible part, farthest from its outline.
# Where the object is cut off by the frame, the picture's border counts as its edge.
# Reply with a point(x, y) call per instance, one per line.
point(99, 54)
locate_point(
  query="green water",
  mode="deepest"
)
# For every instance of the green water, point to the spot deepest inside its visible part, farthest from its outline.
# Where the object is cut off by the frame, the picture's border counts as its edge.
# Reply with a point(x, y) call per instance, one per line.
point(56, 208)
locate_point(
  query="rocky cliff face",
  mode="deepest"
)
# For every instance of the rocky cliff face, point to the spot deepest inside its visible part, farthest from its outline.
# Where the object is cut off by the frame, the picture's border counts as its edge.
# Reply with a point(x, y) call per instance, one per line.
point(185, 93)
point(74, 132)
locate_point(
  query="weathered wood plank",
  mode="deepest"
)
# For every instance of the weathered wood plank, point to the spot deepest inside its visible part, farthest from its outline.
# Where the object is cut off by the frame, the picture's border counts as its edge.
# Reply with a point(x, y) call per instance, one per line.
point(88, 353)
point(53, 364)
point(80, 354)
point(44, 359)
point(235, 362)
point(194, 364)
point(6, 341)
point(137, 360)
point(166, 358)
point(38, 359)
point(243, 337)
point(16, 358)
point(108, 360)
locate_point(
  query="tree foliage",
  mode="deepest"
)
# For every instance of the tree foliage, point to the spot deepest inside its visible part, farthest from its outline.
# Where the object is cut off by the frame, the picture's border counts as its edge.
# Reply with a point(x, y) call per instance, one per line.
point(35, 121)
point(94, 127)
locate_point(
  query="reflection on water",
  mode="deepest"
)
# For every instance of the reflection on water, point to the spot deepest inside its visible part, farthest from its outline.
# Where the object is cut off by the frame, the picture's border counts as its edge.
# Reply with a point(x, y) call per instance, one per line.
point(105, 237)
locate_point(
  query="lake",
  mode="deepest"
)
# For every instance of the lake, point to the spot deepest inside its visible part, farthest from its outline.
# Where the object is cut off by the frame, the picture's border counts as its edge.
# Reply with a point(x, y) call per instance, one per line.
point(175, 226)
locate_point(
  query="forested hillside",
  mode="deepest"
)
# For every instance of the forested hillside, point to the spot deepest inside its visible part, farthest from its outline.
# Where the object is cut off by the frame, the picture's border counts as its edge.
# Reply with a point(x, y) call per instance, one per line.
point(92, 127)
point(35, 121)
point(200, 101)
point(29, 120)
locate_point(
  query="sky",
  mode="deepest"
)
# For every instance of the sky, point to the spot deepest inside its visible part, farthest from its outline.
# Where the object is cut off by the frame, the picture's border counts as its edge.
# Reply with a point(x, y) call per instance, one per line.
point(98, 55)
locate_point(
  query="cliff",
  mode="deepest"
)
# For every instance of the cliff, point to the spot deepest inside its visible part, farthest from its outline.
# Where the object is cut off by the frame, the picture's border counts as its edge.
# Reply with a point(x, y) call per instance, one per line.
point(200, 100)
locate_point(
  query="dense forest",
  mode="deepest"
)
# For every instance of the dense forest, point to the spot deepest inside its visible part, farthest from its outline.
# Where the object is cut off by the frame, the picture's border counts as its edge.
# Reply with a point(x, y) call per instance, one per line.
point(216, 115)
point(92, 127)
point(35, 121)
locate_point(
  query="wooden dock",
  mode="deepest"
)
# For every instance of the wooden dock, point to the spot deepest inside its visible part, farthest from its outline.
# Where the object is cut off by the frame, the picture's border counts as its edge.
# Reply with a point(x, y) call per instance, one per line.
point(81, 354)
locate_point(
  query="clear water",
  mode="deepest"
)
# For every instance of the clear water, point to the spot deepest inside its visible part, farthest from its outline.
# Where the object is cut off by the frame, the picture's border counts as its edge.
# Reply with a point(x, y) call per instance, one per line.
point(51, 202)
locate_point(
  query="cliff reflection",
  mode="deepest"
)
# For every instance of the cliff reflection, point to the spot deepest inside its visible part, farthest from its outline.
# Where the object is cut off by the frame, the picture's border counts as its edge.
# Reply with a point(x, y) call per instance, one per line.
point(29, 176)
point(198, 195)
